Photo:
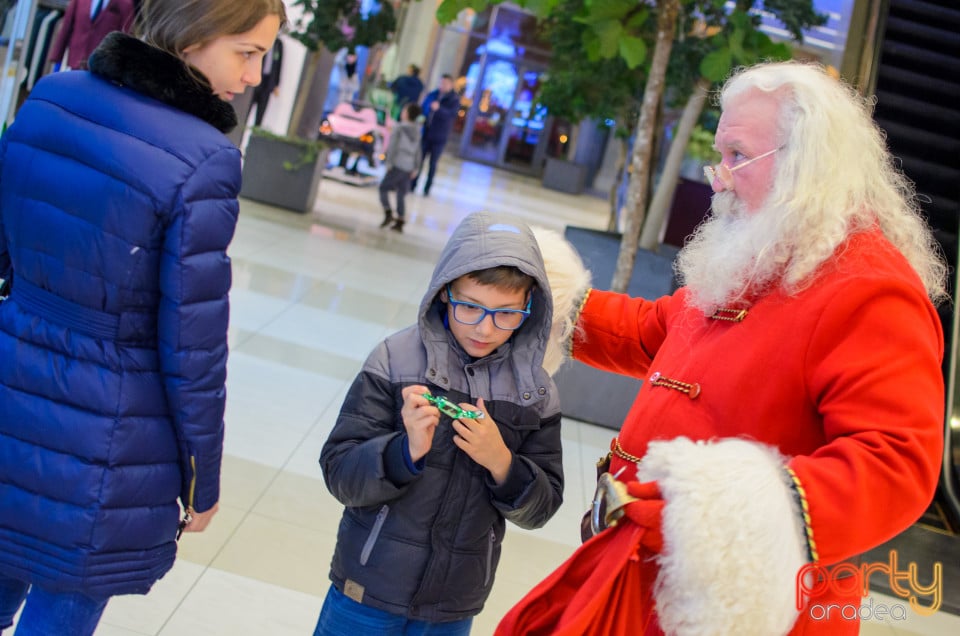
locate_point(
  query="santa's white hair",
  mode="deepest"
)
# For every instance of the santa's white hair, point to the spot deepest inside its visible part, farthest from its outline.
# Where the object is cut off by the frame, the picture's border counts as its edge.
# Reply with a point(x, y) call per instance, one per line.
point(834, 176)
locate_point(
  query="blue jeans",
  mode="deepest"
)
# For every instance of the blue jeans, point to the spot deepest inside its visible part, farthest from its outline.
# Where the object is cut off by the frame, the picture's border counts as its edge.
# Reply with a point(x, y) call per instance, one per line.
point(48, 613)
point(342, 616)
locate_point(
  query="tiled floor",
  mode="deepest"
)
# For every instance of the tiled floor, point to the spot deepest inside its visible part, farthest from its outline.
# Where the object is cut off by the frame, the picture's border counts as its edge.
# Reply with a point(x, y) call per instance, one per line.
point(312, 295)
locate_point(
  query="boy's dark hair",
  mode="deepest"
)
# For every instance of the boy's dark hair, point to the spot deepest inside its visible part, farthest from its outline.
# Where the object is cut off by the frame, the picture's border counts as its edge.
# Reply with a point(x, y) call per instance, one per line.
point(413, 111)
point(415, 70)
point(447, 76)
point(503, 277)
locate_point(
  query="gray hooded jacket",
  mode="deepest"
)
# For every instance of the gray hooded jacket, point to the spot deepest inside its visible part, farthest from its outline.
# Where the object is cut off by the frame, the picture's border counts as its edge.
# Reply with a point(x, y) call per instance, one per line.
point(404, 150)
point(424, 541)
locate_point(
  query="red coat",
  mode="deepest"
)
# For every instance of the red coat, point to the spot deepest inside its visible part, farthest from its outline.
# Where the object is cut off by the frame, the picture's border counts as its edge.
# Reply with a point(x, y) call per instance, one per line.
point(79, 36)
point(842, 378)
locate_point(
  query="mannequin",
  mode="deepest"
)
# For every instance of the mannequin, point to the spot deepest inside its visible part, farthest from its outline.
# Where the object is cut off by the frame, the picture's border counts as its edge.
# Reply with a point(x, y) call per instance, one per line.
point(270, 74)
point(85, 24)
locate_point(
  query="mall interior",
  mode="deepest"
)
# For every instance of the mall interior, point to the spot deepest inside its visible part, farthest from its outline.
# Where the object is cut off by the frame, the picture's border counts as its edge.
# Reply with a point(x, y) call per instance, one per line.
point(317, 286)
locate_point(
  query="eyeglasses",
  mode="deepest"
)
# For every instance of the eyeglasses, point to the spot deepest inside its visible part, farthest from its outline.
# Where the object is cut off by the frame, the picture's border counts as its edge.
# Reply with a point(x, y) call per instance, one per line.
point(473, 314)
point(725, 174)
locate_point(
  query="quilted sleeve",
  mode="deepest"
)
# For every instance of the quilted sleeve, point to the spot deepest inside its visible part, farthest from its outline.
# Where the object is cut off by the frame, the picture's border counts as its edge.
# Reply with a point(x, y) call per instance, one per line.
point(5, 266)
point(195, 279)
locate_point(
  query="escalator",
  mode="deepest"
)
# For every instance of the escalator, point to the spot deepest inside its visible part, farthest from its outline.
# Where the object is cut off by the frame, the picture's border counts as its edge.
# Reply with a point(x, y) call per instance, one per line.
point(917, 89)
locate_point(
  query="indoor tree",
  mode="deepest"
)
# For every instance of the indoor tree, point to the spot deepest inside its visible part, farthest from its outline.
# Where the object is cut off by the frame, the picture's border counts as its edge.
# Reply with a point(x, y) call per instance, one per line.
point(628, 29)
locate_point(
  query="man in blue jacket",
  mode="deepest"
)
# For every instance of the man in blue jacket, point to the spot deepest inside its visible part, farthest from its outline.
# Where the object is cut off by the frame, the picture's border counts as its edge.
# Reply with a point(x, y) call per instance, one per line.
point(406, 89)
point(440, 109)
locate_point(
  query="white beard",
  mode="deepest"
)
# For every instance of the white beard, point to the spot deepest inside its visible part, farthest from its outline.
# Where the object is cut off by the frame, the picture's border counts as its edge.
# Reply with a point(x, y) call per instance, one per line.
point(734, 254)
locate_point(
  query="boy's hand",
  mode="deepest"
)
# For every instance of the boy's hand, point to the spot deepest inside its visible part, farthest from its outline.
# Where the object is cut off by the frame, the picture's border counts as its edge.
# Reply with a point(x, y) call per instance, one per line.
point(420, 418)
point(481, 440)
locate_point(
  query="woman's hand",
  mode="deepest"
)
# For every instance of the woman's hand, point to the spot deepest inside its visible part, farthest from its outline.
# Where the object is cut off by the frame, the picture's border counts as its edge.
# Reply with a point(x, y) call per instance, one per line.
point(198, 521)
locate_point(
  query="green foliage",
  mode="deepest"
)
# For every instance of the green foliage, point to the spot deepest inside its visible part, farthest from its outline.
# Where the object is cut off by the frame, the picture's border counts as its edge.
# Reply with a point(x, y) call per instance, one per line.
point(615, 28)
point(623, 28)
point(336, 24)
point(595, 87)
point(796, 15)
point(448, 10)
point(700, 146)
point(310, 149)
point(633, 50)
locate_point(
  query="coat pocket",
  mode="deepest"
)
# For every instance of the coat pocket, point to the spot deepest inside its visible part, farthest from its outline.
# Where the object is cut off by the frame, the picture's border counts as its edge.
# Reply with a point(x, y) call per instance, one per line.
point(374, 534)
point(488, 568)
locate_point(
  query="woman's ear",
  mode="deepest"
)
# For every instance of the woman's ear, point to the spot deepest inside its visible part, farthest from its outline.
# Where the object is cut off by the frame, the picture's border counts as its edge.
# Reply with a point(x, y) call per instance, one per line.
point(443, 296)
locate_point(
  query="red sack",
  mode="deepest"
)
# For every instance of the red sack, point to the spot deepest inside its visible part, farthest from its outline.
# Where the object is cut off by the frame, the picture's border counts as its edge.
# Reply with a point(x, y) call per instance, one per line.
point(603, 589)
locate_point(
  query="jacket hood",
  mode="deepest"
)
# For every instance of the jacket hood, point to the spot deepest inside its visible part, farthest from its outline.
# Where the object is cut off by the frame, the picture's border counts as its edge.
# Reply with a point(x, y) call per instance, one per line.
point(127, 61)
point(484, 240)
point(408, 129)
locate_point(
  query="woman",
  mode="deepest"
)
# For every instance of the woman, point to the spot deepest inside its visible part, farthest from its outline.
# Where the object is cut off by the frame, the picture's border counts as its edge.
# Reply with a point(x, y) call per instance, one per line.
point(117, 202)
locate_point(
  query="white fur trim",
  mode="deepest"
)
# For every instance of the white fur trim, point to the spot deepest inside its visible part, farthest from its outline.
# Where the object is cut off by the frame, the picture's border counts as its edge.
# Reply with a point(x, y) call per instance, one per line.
point(569, 281)
point(733, 538)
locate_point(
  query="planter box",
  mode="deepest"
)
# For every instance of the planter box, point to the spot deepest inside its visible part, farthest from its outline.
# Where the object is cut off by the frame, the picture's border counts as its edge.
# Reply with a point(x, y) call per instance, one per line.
point(266, 180)
point(588, 394)
point(565, 176)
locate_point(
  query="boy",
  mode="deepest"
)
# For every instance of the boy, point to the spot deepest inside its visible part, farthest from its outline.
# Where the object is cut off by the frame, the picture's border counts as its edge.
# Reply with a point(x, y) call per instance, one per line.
point(403, 160)
point(426, 495)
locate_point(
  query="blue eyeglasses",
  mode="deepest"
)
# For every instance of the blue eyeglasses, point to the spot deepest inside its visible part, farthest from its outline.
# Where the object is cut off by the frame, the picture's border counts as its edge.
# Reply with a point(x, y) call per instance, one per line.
point(473, 314)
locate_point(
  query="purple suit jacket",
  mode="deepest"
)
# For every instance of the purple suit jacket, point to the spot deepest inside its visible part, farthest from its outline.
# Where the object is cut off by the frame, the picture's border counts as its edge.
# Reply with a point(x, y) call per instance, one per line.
point(79, 36)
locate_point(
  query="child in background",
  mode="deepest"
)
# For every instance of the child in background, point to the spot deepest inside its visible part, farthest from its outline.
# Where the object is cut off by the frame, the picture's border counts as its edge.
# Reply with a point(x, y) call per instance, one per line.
point(403, 161)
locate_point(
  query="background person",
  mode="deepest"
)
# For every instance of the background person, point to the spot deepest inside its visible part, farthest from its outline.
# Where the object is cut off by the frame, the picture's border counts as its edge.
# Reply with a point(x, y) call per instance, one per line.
point(406, 89)
point(85, 24)
point(402, 160)
point(117, 204)
point(792, 404)
point(440, 108)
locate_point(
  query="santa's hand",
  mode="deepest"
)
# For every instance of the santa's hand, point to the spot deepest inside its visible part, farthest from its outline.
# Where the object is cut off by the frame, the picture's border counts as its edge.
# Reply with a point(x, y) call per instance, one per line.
point(647, 512)
point(481, 440)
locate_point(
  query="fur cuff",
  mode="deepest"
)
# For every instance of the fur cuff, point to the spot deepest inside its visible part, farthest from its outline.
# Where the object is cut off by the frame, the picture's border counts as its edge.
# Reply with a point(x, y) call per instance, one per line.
point(733, 537)
point(569, 281)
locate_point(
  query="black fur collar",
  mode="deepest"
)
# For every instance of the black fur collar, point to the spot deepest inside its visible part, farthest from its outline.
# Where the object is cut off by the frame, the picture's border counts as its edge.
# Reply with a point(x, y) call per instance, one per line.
point(146, 69)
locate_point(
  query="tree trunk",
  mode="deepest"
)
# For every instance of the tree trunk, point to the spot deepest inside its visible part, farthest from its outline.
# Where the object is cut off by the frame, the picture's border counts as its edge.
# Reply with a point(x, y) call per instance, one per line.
point(667, 186)
point(668, 11)
point(312, 96)
point(615, 188)
point(309, 70)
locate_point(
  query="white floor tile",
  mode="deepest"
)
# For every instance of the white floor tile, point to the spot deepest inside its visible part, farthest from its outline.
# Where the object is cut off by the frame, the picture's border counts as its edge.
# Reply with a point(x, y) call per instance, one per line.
point(252, 311)
point(147, 614)
point(327, 331)
point(224, 604)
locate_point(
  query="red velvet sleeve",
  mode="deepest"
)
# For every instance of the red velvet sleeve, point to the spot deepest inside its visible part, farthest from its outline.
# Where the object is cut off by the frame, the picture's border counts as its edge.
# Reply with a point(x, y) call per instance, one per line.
point(874, 373)
point(621, 334)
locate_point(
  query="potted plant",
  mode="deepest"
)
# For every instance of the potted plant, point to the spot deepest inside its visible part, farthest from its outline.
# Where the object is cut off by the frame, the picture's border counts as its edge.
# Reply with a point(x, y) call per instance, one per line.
point(285, 170)
point(282, 171)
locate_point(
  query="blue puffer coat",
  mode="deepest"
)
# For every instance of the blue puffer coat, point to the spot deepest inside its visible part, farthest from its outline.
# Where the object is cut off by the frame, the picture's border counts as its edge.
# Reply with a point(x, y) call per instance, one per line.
point(117, 203)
